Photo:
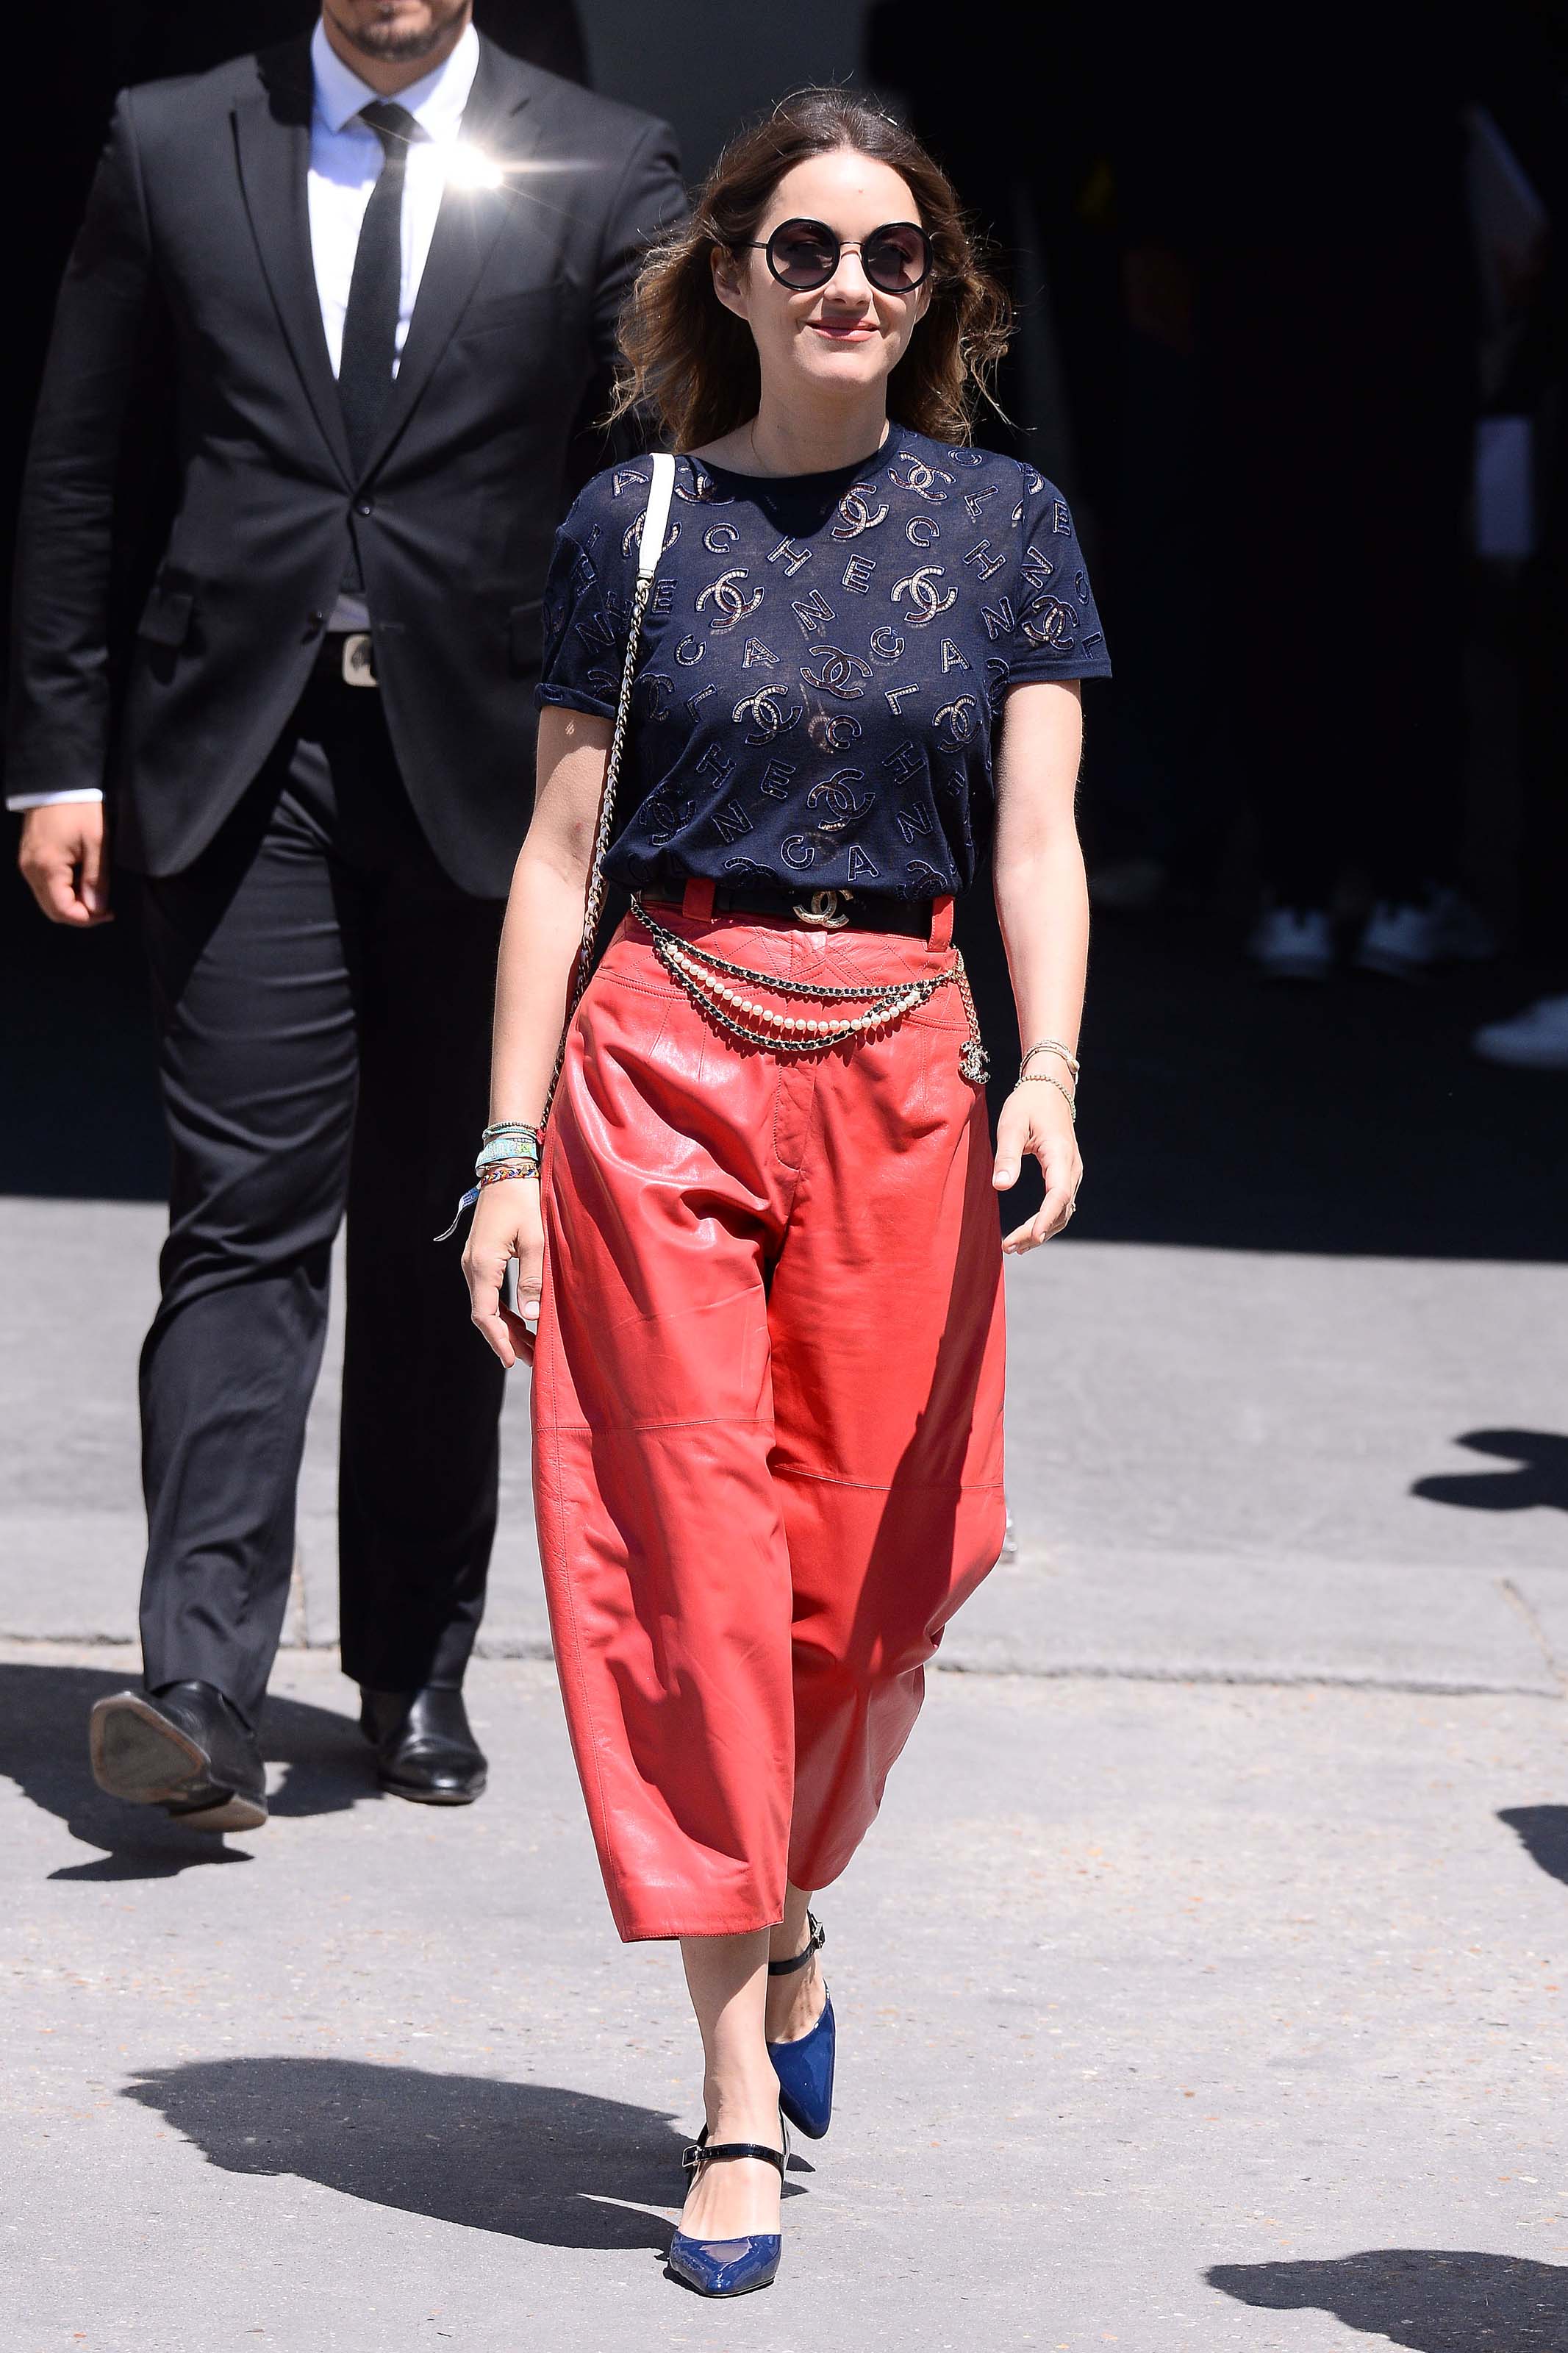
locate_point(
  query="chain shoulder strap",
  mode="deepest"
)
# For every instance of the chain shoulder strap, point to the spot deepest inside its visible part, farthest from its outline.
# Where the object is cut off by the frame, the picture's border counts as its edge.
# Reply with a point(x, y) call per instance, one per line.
point(650, 547)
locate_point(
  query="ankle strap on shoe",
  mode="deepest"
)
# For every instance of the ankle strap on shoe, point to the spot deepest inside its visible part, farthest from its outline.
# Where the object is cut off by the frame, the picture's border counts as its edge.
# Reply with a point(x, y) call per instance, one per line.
point(813, 1943)
point(701, 2153)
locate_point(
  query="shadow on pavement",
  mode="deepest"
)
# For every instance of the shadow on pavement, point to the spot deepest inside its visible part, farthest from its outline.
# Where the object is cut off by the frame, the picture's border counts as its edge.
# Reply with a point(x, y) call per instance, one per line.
point(1431, 2299)
point(1539, 1475)
point(1543, 1832)
point(530, 2160)
point(43, 1748)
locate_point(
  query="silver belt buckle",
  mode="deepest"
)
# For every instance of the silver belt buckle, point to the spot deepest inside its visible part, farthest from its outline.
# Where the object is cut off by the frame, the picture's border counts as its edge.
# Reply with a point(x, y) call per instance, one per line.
point(823, 911)
point(358, 660)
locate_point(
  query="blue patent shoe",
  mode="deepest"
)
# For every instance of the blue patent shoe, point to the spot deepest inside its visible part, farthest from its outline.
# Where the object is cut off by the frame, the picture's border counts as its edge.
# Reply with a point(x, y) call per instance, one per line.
point(728, 2266)
point(805, 2068)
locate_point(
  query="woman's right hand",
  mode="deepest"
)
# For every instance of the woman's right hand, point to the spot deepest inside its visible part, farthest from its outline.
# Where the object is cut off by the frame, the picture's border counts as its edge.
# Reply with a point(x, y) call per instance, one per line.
point(508, 1222)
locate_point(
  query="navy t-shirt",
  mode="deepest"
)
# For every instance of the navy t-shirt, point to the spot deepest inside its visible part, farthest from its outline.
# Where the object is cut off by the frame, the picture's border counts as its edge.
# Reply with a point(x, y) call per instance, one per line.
point(824, 660)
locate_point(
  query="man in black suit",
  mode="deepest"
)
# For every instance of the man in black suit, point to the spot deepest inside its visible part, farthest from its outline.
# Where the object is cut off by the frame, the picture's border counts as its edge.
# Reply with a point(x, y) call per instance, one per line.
point(376, 274)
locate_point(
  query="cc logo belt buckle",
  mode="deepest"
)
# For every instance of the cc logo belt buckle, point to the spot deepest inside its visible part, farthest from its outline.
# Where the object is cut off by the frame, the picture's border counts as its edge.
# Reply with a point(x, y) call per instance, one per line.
point(359, 658)
point(823, 910)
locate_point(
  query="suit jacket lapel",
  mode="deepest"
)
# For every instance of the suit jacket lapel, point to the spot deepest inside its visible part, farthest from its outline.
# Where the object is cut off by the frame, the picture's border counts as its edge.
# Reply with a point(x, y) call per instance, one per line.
point(497, 123)
point(273, 139)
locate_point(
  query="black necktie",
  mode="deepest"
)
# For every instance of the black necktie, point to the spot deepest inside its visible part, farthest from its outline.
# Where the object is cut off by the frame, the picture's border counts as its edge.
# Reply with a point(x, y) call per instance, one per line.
point(370, 322)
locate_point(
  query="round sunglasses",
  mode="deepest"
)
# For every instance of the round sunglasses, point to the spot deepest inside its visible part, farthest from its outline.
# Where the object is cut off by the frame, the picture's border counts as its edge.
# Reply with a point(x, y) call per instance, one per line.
point(804, 254)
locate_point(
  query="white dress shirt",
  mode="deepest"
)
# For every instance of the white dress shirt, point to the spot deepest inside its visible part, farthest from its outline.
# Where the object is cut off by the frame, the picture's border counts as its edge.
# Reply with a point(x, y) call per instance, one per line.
point(346, 158)
point(345, 164)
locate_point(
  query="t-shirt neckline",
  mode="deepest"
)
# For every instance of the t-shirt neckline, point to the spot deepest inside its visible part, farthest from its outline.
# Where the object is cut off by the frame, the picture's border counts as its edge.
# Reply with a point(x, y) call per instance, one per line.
point(862, 466)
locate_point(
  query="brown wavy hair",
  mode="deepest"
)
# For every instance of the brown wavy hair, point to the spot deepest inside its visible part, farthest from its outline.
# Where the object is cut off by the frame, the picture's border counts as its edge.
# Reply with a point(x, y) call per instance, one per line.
point(693, 364)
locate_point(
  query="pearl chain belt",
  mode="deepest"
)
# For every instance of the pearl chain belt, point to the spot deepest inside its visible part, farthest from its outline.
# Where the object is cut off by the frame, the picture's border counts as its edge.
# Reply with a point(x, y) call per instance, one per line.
point(707, 980)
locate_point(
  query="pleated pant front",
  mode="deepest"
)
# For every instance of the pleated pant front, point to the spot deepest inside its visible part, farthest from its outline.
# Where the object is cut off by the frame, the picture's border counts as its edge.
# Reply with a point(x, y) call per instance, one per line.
point(767, 1407)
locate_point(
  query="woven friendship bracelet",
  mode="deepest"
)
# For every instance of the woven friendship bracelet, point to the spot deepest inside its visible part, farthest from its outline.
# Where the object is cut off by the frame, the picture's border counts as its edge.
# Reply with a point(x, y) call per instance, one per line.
point(500, 1173)
point(498, 1148)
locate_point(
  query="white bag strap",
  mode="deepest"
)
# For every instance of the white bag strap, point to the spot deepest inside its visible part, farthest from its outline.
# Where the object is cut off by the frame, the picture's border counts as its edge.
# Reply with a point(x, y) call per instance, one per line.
point(656, 515)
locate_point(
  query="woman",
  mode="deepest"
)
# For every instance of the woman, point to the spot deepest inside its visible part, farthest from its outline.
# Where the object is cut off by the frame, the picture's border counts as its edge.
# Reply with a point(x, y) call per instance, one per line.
point(764, 1255)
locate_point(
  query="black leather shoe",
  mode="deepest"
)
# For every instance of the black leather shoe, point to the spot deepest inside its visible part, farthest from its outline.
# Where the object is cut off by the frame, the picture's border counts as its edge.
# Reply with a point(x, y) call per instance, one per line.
point(425, 1746)
point(185, 1748)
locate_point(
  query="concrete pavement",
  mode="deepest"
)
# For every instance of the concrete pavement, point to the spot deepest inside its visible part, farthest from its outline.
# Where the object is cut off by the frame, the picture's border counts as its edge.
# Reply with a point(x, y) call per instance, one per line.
point(1231, 1464)
point(1186, 2019)
point(1200, 1988)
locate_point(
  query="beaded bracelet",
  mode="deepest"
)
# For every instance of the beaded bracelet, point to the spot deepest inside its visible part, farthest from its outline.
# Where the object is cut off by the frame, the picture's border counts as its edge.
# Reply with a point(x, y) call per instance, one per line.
point(1044, 1079)
point(509, 1138)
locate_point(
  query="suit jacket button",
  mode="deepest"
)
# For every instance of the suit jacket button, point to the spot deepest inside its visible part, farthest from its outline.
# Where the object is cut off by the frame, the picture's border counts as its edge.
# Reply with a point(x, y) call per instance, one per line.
point(317, 619)
point(363, 507)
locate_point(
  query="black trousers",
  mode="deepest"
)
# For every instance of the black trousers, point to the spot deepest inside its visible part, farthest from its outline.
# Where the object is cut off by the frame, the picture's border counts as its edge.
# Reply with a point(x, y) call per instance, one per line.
point(323, 994)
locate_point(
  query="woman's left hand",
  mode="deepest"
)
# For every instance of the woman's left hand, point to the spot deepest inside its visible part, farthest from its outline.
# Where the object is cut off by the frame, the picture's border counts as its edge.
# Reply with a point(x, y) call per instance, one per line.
point(1034, 1118)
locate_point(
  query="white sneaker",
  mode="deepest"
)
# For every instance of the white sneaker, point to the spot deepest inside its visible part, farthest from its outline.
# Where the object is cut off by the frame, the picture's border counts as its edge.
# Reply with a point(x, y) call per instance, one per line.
point(1404, 941)
point(1398, 940)
point(1293, 944)
point(1535, 1039)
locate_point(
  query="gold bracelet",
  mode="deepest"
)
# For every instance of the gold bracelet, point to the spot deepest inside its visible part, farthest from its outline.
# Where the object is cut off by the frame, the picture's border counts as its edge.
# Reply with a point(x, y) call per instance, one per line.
point(1044, 1079)
point(1049, 1046)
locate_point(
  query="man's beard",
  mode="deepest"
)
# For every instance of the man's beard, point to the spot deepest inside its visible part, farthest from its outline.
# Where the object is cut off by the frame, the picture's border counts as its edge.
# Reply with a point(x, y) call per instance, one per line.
point(387, 44)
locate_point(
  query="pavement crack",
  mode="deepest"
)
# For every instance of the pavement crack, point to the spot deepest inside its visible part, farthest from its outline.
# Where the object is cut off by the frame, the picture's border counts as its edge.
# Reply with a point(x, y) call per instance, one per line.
point(1512, 1593)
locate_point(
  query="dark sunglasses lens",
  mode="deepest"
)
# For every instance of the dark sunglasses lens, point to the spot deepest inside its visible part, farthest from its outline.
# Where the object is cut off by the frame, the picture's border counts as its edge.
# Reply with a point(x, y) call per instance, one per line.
point(803, 254)
point(897, 259)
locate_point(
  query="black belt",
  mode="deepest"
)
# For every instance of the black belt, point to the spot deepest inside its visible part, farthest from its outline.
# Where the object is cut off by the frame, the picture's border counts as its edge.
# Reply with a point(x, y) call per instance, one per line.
point(821, 911)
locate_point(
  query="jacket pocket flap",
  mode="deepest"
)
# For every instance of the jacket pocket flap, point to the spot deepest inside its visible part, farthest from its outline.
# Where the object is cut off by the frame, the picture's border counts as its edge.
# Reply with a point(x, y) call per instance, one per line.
point(167, 618)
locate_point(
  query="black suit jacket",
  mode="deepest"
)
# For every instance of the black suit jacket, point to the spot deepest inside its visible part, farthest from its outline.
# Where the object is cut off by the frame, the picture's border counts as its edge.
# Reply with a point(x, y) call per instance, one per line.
point(195, 248)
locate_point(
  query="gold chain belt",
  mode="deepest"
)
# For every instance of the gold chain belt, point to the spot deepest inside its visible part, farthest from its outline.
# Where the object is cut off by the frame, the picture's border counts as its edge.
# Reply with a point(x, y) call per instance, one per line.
point(707, 979)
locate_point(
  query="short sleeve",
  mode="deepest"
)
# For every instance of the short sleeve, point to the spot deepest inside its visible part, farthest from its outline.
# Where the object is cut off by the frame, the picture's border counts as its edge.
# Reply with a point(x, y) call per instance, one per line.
point(585, 626)
point(1056, 630)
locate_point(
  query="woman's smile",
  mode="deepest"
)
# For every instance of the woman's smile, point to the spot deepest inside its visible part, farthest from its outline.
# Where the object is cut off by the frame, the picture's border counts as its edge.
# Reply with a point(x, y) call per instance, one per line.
point(842, 330)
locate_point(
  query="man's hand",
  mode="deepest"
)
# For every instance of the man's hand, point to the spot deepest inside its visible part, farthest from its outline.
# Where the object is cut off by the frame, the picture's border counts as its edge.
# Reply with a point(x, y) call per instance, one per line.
point(63, 862)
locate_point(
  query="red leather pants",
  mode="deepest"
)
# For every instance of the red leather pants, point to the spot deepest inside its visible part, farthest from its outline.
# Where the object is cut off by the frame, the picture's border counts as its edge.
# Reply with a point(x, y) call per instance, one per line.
point(767, 1405)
